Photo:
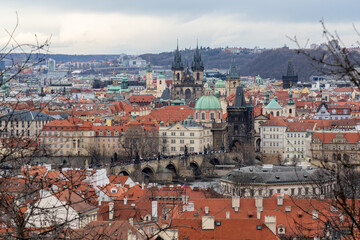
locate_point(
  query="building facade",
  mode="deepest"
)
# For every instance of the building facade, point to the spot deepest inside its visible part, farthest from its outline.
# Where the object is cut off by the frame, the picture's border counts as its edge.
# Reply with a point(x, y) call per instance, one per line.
point(184, 136)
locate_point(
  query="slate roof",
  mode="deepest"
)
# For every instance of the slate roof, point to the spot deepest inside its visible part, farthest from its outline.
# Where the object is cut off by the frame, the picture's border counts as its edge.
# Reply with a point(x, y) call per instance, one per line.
point(26, 115)
point(271, 174)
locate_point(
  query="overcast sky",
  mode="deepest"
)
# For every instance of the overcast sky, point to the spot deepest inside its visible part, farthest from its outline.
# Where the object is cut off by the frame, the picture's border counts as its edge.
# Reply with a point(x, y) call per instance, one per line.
point(152, 26)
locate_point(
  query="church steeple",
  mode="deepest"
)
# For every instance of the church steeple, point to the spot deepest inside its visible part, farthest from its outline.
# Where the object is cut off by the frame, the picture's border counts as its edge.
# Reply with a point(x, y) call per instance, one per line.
point(291, 101)
point(149, 70)
point(233, 72)
point(177, 64)
point(197, 64)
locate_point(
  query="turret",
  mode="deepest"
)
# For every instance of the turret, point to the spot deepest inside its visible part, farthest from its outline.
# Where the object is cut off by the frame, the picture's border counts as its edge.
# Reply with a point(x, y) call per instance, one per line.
point(197, 66)
point(177, 65)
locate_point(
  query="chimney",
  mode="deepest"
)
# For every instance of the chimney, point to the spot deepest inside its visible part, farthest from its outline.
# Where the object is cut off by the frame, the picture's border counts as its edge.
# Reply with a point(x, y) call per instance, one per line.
point(280, 200)
point(111, 211)
point(131, 221)
point(208, 223)
point(270, 222)
point(154, 209)
point(259, 203)
point(227, 214)
point(125, 200)
point(235, 202)
point(206, 210)
point(258, 214)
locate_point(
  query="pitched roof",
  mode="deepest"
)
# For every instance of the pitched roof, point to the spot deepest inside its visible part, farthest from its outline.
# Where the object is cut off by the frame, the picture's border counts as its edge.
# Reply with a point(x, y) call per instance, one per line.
point(275, 121)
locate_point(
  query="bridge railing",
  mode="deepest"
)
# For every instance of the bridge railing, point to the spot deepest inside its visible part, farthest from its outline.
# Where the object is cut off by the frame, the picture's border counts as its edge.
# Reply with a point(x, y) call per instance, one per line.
point(161, 157)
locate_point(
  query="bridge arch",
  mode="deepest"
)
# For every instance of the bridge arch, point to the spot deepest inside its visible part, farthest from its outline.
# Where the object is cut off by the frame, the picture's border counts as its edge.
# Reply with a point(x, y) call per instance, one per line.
point(148, 173)
point(123, 173)
point(172, 168)
point(214, 161)
point(196, 169)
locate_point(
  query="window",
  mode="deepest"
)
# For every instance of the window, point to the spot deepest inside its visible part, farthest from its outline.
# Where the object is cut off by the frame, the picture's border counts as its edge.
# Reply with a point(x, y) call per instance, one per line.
point(173, 148)
point(191, 134)
point(173, 141)
point(182, 141)
point(182, 134)
point(164, 133)
point(191, 149)
point(192, 141)
point(173, 134)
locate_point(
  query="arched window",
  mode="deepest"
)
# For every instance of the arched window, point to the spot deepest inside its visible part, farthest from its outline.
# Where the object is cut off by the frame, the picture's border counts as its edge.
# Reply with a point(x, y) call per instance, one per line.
point(290, 110)
point(203, 116)
point(197, 76)
point(178, 76)
point(212, 116)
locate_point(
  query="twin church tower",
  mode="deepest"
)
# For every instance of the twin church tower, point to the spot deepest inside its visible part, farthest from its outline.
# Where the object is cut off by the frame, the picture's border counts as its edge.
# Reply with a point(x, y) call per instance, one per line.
point(187, 84)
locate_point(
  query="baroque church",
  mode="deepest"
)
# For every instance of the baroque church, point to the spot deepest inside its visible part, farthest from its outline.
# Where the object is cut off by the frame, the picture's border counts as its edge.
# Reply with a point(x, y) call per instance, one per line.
point(187, 84)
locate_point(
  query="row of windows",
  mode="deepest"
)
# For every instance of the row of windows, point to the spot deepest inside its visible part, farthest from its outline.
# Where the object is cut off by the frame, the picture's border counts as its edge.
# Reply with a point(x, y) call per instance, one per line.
point(295, 142)
point(295, 149)
point(326, 147)
point(272, 136)
point(275, 144)
point(296, 156)
point(294, 135)
point(181, 141)
point(181, 134)
point(272, 129)
point(173, 149)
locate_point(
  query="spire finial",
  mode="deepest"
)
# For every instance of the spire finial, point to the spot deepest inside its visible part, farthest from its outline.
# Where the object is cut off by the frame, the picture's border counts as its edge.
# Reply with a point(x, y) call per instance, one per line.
point(177, 44)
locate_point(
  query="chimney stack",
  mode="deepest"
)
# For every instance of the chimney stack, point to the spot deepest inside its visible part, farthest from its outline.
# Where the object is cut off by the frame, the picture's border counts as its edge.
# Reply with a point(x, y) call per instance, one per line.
point(280, 200)
point(235, 202)
point(154, 209)
point(111, 211)
point(125, 200)
point(206, 210)
point(259, 203)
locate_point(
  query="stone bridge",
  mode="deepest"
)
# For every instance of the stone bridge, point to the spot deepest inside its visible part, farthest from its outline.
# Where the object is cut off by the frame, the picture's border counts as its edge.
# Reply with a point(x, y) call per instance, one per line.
point(183, 168)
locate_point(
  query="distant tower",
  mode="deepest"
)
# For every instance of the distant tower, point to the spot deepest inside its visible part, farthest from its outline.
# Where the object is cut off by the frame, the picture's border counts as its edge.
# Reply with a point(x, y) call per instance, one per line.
point(51, 65)
point(197, 66)
point(161, 84)
point(149, 78)
point(177, 66)
point(124, 82)
point(290, 108)
point(232, 80)
point(291, 79)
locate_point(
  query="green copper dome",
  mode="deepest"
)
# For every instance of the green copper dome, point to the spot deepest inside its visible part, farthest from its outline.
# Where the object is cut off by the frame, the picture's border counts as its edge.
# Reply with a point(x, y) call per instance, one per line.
point(273, 104)
point(207, 102)
point(220, 84)
point(161, 76)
